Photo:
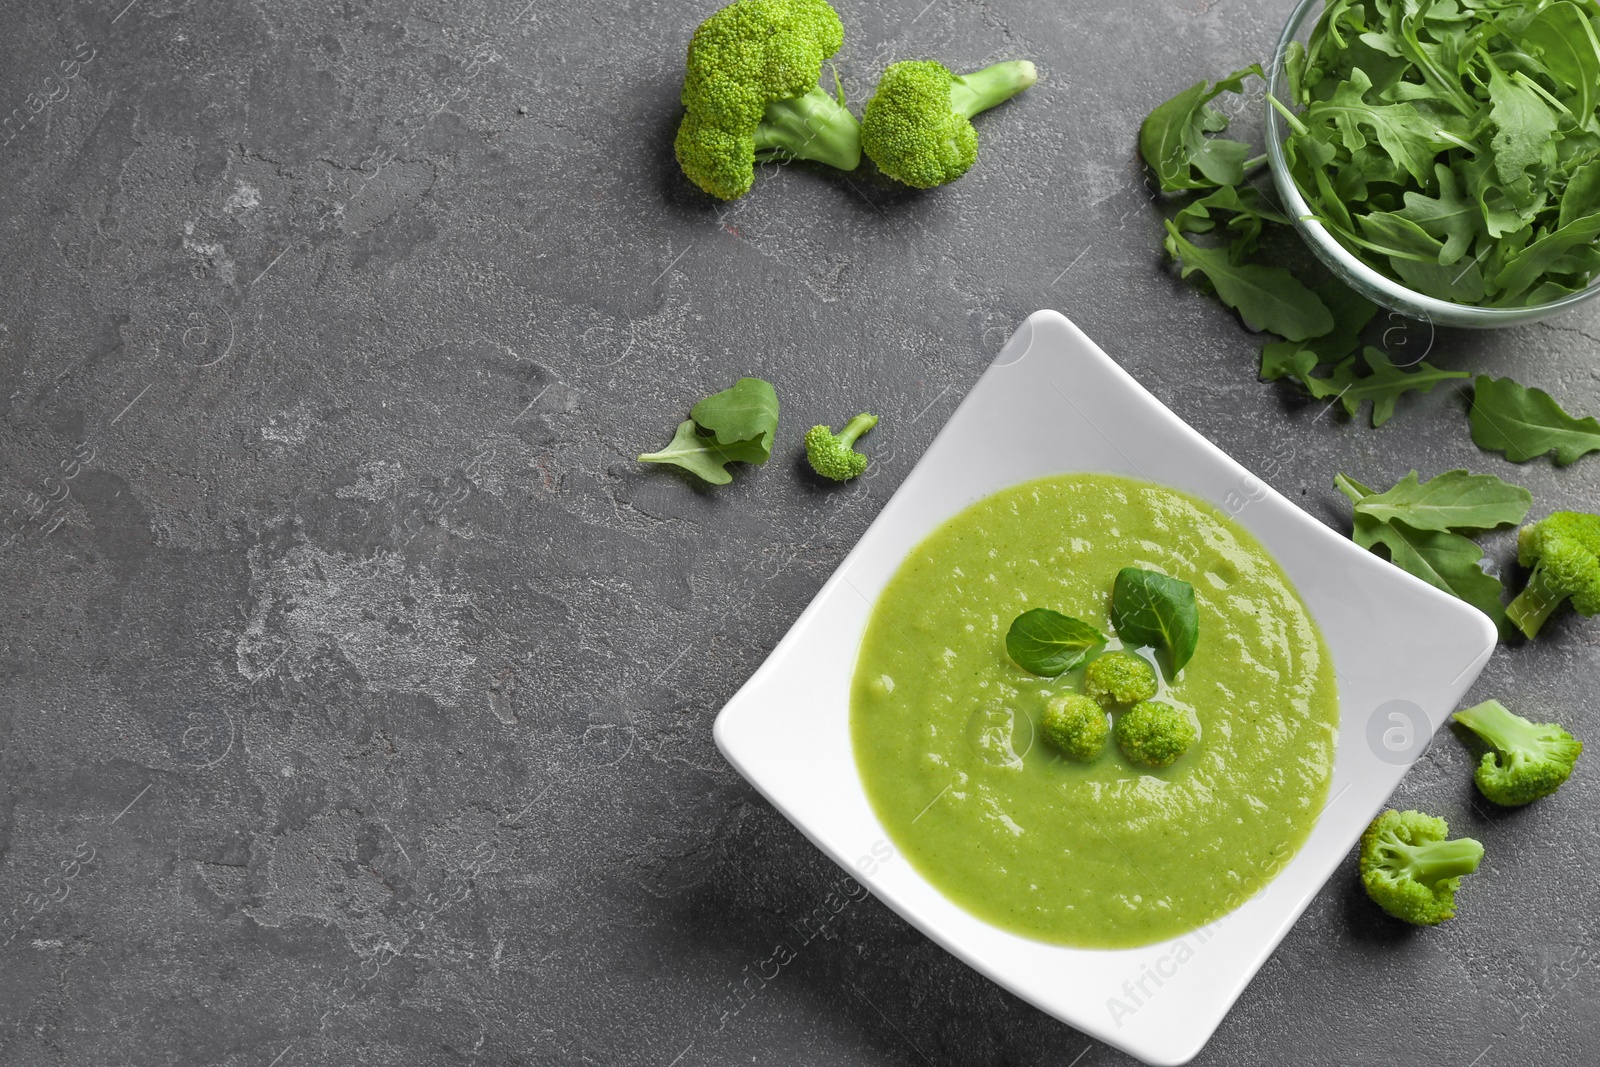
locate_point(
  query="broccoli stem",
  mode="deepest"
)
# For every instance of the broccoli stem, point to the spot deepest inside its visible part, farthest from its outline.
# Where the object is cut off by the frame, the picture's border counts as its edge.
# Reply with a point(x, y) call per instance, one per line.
point(855, 428)
point(973, 93)
point(1534, 604)
point(814, 126)
point(1435, 861)
point(1500, 728)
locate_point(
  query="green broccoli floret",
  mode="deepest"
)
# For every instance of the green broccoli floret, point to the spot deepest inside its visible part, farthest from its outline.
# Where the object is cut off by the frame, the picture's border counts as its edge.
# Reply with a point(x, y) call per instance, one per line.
point(1410, 870)
point(751, 93)
point(917, 127)
point(1076, 725)
point(1528, 760)
point(1154, 733)
point(1120, 678)
point(1564, 551)
point(830, 454)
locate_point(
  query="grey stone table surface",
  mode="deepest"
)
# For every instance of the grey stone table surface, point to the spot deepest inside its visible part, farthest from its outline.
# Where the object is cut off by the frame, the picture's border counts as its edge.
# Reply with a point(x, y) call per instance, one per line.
point(357, 685)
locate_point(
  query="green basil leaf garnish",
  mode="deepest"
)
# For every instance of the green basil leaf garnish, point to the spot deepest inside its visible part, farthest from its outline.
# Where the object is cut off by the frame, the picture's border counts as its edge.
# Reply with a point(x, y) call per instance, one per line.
point(1149, 609)
point(1048, 643)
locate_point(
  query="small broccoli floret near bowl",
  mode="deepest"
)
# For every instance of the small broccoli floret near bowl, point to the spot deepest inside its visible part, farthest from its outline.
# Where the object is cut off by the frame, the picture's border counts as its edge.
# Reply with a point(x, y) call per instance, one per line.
point(832, 455)
point(1564, 551)
point(1154, 733)
point(1075, 725)
point(1410, 870)
point(750, 93)
point(917, 127)
point(1119, 678)
point(1526, 760)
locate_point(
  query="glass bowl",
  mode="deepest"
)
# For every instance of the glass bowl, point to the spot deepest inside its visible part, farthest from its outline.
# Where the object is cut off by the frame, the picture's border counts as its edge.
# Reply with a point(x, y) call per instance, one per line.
point(1370, 283)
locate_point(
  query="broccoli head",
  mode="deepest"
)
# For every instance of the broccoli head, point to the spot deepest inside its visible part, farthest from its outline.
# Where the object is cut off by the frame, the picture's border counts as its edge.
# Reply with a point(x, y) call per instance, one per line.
point(1410, 870)
point(831, 454)
point(1564, 551)
point(750, 92)
point(917, 127)
point(1120, 678)
point(1076, 725)
point(1526, 761)
point(1154, 733)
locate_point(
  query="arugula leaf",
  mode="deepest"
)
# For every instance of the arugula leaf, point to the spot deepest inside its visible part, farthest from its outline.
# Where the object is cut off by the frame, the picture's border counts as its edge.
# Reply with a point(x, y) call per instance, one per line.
point(1507, 209)
point(1401, 131)
point(1297, 359)
point(702, 455)
point(1173, 138)
point(739, 425)
point(1294, 65)
point(1048, 643)
point(1582, 195)
point(1464, 285)
point(1454, 500)
point(1399, 238)
point(1150, 609)
point(1268, 298)
point(1524, 268)
point(1384, 385)
point(1562, 36)
point(745, 413)
point(1287, 359)
point(1440, 75)
point(1525, 423)
point(1451, 216)
point(1443, 559)
point(1244, 203)
point(1523, 122)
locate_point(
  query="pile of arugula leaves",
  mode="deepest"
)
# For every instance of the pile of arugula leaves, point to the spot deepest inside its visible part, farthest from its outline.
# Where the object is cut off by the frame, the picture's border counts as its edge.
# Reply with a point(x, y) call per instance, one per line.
point(1320, 327)
point(1454, 144)
point(1450, 144)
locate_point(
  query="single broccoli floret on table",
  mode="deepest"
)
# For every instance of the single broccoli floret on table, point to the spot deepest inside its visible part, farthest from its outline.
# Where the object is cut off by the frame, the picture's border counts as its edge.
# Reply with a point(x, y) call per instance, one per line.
point(1154, 733)
point(831, 454)
point(1526, 761)
point(1564, 551)
point(917, 127)
point(751, 93)
point(1120, 678)
point(1076, 725)
point(1410, 870)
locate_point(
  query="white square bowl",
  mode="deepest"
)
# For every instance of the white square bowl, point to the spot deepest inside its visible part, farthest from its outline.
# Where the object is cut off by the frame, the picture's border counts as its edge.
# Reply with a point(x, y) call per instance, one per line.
point(1404, 654)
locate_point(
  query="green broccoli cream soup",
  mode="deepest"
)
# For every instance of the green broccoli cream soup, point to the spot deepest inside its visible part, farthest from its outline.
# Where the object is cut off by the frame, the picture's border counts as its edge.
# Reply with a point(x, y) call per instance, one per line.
point(1102, 853)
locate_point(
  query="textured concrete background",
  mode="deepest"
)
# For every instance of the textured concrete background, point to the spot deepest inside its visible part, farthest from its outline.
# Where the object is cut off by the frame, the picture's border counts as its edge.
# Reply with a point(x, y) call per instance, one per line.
point(358, 685)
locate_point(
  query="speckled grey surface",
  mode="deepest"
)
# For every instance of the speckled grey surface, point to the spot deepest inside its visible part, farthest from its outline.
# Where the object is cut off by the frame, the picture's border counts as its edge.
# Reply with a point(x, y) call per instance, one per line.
point(357, 684)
